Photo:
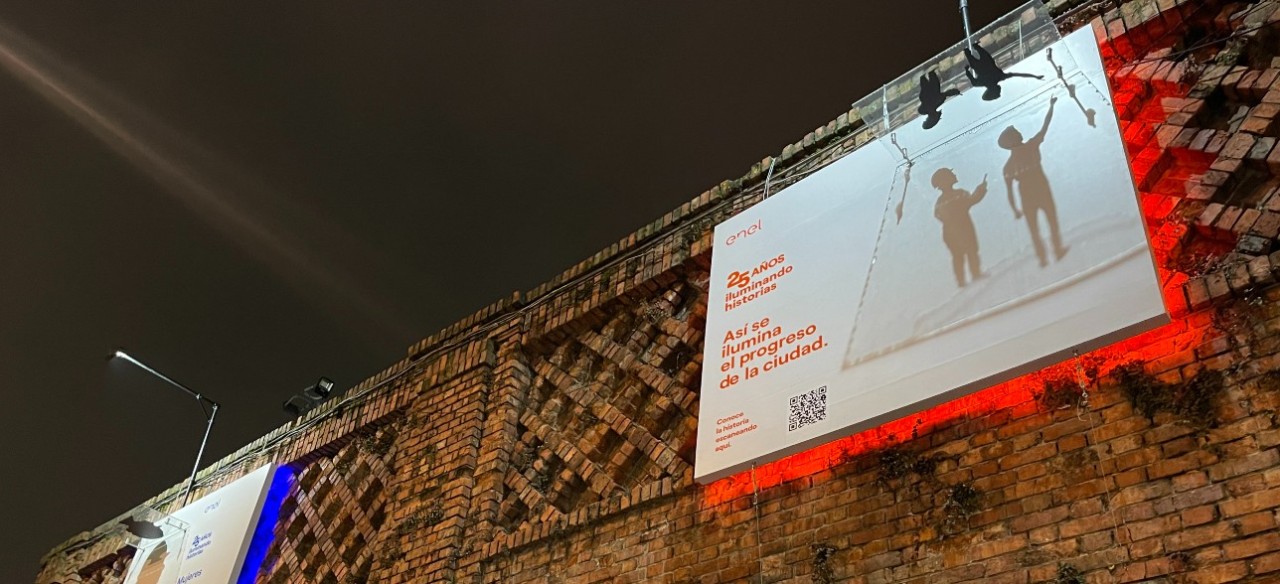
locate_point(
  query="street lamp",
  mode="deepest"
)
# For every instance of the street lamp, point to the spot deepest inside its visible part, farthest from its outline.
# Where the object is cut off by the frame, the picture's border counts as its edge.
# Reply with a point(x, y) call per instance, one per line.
point(210, 413)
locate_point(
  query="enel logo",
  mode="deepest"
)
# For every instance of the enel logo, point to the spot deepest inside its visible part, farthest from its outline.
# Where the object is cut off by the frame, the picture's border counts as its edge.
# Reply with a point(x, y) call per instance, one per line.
point(752, 229)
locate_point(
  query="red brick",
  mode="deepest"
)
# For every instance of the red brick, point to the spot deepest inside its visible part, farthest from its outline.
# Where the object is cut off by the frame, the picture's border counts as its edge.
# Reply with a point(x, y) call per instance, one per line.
point(1252, 546)
point(1222, 573)
point(1263, 500)
point(1253, 462)
point(1267, 563)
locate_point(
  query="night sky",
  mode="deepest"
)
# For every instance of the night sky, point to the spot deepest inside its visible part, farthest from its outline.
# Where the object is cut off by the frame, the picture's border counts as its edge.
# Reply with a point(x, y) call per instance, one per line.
point(249, 195)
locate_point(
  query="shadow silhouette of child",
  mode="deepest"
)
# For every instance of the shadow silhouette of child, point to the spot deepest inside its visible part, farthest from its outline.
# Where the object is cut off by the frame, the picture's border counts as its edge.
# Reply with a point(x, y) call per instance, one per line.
point(958, 232)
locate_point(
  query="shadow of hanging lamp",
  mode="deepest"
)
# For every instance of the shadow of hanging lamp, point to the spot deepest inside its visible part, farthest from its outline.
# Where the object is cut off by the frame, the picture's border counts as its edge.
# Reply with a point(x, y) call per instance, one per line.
point(143, 529)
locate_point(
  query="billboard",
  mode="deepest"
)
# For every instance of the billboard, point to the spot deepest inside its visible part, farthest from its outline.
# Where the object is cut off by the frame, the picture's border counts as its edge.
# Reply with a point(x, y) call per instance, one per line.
point(990, 237)
point(213, 545)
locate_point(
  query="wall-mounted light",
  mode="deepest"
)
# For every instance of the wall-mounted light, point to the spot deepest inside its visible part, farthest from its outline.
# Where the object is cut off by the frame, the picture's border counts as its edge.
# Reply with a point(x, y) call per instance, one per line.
point(310, 397)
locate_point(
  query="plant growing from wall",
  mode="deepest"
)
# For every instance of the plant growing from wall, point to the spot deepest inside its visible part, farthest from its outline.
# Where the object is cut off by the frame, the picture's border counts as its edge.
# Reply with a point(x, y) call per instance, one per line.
point(899, 463)
point(1070, 388)
point(1238, 319)
point(962, 501)
point(1191, 402)
point(957, 502)
point(421, 519)
point(389, 553)
point(655, 312)
point(822, 572)
point(690, 235)
point(1061, 394)
point(346, 461)
point(541, 480)
point(359, 576)
point(1231, 52)
point(1068, 574)
point(378, 444)
point(1182, 561)
point(525, 457)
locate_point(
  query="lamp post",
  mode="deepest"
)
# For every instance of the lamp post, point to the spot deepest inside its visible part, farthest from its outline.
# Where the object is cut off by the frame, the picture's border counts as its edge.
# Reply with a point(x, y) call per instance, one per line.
point(210, 413)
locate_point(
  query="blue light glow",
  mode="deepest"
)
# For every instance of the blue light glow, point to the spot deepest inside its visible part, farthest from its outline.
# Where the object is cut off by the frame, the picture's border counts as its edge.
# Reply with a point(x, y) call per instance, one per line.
point(265, 531)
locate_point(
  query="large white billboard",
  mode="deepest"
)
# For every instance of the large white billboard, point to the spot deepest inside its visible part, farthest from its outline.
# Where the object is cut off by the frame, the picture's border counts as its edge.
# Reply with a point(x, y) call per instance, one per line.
point(213, 545)
point(990, 237)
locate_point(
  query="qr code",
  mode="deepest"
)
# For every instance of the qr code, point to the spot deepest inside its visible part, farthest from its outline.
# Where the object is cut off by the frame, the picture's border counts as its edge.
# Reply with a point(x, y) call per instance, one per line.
point(807, 408)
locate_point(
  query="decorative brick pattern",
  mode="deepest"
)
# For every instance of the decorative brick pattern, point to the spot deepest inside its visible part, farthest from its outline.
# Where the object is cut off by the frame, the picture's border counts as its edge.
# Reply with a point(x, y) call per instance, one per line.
point(332, 518)
point(609, 409)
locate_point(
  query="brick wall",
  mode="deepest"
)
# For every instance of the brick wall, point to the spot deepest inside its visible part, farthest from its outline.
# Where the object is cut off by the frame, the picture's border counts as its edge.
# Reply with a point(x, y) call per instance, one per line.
point(550, 436)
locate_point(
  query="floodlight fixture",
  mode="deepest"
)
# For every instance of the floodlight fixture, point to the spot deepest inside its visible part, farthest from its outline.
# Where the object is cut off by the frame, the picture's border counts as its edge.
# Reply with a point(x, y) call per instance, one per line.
point(320, 391)
point(309, 398)
point(210, 413)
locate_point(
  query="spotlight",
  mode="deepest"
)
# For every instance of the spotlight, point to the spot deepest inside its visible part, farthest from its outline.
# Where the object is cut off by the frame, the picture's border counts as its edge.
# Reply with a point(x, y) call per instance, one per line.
point(320, 390)
point(310, 397)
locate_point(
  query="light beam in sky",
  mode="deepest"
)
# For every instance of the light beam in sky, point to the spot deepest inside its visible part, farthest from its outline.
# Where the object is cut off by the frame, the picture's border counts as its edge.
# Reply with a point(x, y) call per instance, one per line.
point(207, 186)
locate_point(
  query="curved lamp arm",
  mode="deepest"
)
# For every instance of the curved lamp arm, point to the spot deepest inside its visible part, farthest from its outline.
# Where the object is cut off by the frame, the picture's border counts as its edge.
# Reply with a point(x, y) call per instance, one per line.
point(210, 413)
